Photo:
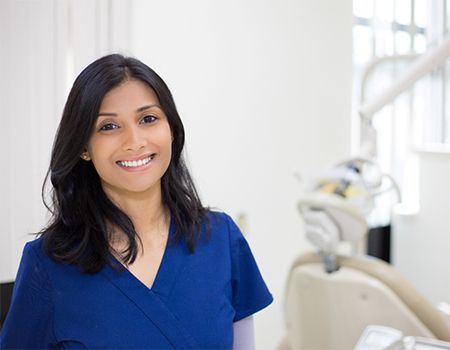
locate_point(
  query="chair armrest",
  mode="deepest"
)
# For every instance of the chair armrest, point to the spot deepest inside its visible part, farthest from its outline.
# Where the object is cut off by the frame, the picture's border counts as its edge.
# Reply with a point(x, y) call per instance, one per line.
point(444, 308)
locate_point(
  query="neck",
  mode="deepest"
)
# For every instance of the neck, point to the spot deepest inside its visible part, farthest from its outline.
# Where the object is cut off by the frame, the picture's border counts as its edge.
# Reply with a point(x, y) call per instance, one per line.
point(145, 209)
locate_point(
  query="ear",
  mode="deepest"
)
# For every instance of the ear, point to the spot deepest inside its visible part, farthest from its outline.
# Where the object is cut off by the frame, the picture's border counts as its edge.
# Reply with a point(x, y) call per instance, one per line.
point(85, 156)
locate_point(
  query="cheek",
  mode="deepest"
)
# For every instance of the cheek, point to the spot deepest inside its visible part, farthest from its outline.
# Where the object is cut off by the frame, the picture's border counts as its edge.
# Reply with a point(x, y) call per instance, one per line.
point(99, 156)
point(167, 151)
point(102, 170)
point(165, 138)
point(169, 147)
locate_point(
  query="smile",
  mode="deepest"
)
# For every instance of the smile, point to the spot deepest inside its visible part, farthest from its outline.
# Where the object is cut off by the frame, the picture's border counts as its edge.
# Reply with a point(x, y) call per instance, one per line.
point(136, 163)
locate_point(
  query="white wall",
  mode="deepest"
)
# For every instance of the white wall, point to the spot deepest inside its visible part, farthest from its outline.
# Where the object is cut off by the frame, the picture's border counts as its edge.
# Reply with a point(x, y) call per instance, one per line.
point(421, 242)
point(264, 90)
point(28, 91)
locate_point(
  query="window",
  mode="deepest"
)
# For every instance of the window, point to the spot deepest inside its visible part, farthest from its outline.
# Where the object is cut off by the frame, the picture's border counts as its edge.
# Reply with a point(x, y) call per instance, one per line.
point(419, 117)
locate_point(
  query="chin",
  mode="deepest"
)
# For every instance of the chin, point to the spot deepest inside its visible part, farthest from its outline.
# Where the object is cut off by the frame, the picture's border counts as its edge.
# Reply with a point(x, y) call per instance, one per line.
point(132, 189)
point(143, 189)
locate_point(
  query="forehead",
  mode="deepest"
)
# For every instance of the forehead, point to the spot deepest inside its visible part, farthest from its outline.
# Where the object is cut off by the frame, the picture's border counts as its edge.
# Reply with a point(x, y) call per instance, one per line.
point(130, 94)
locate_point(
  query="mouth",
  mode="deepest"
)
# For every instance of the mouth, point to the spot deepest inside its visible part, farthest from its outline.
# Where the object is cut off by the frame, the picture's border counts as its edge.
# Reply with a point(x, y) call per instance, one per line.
point(136, 163)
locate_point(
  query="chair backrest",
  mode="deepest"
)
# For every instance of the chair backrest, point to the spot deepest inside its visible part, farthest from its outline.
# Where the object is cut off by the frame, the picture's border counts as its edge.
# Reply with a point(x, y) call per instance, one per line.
point(331, 310)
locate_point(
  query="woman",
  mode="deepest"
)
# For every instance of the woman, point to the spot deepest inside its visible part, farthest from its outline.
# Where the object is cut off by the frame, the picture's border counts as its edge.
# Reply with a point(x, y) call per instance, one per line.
point(130, 258)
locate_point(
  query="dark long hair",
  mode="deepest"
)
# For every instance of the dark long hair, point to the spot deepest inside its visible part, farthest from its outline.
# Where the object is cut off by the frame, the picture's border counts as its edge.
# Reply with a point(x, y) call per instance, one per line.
point(79, 231)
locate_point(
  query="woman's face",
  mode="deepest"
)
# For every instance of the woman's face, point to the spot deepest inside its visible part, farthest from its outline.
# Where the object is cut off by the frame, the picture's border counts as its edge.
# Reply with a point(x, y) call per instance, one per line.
point(131, 144)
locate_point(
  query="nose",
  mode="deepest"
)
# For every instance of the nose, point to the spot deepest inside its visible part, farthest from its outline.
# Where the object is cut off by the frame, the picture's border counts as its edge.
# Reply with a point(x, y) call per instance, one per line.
point(134, 139)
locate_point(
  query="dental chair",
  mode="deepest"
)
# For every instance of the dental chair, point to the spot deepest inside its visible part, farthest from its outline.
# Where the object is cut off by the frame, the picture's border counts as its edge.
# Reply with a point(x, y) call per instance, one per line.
point(331, 298)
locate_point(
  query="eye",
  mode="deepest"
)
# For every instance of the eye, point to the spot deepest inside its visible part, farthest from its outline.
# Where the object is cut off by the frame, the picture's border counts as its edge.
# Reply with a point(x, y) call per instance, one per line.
point(108, 126)
point(148, 119)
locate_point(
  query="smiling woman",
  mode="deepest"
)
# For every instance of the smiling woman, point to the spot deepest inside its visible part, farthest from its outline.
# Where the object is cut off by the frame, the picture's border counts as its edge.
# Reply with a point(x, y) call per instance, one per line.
point(130, 257)
point(132, 133)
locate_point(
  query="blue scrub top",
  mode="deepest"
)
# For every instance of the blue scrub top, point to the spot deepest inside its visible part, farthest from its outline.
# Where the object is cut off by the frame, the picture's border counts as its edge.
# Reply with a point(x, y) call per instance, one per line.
point(193, 302)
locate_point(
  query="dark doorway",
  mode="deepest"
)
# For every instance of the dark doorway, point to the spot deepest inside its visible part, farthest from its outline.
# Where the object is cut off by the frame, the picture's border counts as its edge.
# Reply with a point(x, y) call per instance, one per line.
point(6, 290)
point(379, 242)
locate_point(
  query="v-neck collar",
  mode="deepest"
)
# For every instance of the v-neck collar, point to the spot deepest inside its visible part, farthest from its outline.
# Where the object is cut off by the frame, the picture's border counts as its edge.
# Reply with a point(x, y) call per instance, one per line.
point(170, 263)
point(167, 271)
point(153, 301)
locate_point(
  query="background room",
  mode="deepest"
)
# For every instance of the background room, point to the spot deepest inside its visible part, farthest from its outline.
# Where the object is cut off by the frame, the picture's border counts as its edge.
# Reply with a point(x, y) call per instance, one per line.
point(268, 92)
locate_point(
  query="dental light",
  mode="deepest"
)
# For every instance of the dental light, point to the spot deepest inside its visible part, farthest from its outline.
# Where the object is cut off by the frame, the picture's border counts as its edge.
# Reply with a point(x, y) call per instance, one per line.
point(335, 206)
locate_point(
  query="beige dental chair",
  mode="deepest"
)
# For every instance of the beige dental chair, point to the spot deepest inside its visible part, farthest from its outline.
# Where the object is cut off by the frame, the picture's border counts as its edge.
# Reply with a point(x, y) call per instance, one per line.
point(330, 310)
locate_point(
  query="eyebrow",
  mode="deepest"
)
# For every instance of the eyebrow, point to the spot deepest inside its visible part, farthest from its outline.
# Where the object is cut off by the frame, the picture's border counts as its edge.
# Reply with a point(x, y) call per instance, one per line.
point(140, 109)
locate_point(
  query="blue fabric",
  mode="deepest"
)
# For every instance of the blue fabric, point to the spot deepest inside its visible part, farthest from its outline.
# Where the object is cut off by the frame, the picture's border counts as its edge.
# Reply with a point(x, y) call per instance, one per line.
point(193, 302)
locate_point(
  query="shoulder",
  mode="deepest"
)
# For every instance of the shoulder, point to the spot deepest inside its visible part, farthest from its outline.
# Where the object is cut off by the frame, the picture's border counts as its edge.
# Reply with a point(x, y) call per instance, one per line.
point(217, 219)
point(42, 270)
point(222, 224)
point(35, 244)
point(32, 275)
point(224, 232)
point(218, 230)
point(33, 249)
point(34, 257)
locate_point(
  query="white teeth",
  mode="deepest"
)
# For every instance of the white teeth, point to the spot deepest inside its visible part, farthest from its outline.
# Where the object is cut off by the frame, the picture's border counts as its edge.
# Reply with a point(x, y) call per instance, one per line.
point(135, 163)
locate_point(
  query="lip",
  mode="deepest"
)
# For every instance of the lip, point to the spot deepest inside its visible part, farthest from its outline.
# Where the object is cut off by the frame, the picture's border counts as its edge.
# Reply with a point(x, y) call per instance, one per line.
point(142, 156)
point(138, 168)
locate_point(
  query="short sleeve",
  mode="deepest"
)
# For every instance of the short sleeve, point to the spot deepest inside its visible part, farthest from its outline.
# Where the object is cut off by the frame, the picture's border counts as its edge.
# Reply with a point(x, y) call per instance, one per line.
point(249, 291)
point(28, 324)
